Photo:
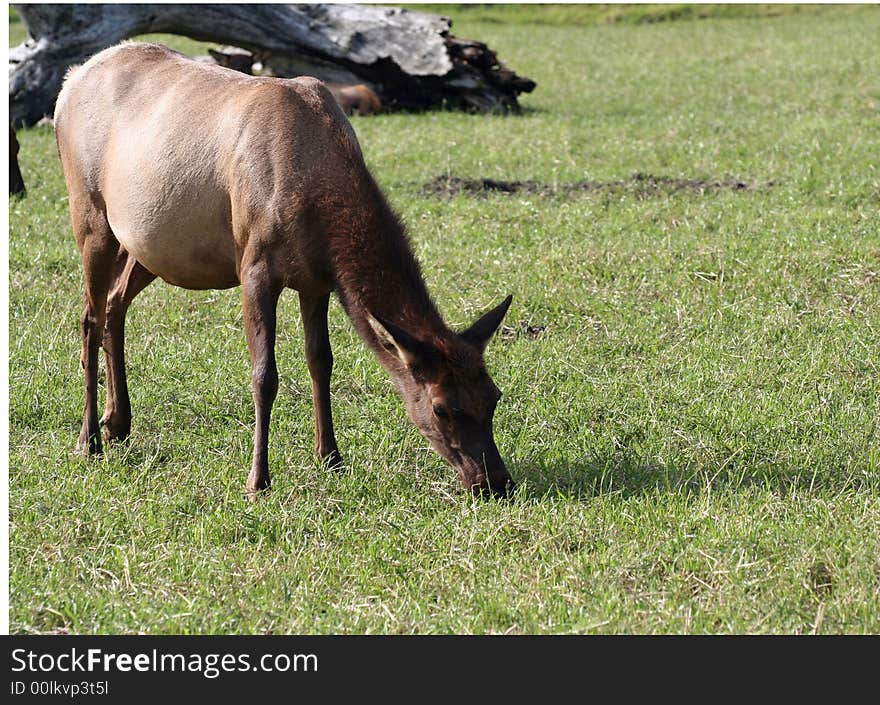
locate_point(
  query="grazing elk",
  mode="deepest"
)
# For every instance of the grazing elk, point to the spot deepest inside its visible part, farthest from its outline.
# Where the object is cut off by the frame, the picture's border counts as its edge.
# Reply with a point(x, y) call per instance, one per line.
point(233, 58)
point(358, 98)
point(211, 179)
point(352, 98)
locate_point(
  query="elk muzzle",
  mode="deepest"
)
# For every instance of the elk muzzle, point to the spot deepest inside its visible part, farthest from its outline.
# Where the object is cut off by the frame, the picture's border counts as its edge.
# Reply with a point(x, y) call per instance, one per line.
point(484, 473)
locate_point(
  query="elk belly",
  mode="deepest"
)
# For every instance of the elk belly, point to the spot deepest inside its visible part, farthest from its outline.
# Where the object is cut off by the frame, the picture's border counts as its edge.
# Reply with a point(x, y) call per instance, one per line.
point(184, 251)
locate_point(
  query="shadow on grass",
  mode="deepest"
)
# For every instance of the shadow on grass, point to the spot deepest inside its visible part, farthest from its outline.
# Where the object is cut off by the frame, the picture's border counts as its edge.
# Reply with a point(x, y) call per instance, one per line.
point(630, 476)
point(529, 110)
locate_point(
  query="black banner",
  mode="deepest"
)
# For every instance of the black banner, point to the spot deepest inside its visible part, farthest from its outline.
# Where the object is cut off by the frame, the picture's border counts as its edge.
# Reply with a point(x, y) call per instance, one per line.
point(225, 668)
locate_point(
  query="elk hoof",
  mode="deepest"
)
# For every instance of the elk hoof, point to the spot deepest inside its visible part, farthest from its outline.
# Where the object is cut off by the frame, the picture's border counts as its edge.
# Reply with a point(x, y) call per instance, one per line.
point(333, 460)
point(89, 444)
point(255, 495)
point(113, 430)
point(256, 485)
point(89, 448)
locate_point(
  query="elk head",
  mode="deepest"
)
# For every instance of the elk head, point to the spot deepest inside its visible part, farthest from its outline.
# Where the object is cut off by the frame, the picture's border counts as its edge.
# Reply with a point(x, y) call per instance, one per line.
point(449, 395)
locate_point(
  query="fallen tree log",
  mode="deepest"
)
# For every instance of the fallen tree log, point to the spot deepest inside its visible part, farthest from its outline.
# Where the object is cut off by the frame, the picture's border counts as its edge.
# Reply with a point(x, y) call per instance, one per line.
point(408, 58)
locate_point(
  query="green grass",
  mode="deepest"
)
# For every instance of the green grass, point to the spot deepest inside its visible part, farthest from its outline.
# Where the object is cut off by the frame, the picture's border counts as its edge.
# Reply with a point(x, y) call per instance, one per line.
point(589, 15)
point(695, 432)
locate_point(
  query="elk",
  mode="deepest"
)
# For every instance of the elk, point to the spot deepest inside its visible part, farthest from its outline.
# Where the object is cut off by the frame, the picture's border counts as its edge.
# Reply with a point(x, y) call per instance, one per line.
point(352, 98)
point(355, 98)
point(233, 58)
point(210, 179)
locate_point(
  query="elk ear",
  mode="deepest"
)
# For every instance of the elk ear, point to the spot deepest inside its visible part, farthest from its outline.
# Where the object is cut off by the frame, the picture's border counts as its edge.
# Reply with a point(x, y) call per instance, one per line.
point(395, 340)
point(480, 332)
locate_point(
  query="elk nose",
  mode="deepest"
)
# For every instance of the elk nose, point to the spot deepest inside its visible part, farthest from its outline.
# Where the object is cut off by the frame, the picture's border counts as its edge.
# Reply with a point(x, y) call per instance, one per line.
point(506, 490)
point(500, 488)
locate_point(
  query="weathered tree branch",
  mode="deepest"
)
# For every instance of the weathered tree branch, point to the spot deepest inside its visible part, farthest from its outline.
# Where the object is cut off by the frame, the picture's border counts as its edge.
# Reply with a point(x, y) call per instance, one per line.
point(409, 58)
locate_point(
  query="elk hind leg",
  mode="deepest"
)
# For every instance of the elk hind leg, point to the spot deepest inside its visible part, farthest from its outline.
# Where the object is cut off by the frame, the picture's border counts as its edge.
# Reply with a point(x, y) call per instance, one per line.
point(98, 248)
point(130, 279)
point(259, 300)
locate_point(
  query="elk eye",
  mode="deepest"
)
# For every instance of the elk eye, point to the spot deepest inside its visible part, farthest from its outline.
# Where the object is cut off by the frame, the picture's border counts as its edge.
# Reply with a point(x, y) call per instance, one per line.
point(441, 412)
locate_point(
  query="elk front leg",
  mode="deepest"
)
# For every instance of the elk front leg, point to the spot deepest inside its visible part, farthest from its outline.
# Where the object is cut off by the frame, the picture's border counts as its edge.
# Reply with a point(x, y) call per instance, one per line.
point(259, 299)
point(319, 357)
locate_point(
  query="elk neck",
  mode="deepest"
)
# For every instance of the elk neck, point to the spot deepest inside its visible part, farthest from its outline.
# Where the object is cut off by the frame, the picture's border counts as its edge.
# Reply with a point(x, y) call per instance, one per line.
point(376, 272)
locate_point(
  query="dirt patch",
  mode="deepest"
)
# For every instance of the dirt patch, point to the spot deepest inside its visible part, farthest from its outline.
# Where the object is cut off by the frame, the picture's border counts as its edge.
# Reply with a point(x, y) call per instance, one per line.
point(639, 184)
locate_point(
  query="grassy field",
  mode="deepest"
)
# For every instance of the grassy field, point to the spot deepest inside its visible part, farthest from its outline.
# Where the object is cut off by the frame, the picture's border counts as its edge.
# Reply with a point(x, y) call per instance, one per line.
point(690, 372)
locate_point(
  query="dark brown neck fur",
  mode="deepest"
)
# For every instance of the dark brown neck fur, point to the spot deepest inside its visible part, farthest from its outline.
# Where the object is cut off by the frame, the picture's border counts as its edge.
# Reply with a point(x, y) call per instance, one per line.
point(376, 271)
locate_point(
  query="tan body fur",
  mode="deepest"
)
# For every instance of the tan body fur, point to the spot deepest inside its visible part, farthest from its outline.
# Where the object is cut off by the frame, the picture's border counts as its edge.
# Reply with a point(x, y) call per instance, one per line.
point(227, 180)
